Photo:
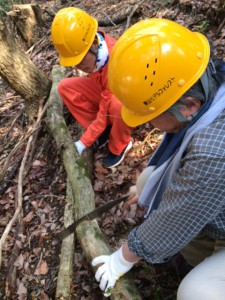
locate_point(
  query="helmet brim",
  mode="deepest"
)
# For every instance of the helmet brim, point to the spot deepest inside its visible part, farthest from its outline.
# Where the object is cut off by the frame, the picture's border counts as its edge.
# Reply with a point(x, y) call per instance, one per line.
point(71, 61)
point(133, 119)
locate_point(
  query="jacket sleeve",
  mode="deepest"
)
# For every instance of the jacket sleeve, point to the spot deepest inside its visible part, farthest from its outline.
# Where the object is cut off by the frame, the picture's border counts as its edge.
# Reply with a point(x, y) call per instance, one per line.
point(193, 202)
point(96, 128)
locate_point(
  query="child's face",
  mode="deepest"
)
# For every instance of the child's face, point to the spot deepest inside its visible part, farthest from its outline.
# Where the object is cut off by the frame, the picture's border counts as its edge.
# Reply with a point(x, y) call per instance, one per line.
point(87, 64)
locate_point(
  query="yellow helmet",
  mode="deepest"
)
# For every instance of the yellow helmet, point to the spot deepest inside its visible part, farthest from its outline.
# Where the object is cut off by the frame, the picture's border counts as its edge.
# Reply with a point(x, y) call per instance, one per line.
point(73, 32)
point(152, 65)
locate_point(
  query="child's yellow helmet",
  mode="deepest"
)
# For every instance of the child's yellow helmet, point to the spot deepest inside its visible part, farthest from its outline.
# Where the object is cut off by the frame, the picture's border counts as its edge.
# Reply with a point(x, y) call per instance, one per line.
point(152, 65)
point(73, 32)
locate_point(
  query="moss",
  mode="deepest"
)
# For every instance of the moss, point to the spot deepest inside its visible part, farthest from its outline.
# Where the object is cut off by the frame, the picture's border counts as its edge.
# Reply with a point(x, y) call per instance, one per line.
point(97, 234)
point(62, 125)
point(80, 164)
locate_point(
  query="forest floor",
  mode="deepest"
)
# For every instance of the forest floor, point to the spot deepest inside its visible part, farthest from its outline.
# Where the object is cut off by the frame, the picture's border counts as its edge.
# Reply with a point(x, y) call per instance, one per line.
point(32, 269)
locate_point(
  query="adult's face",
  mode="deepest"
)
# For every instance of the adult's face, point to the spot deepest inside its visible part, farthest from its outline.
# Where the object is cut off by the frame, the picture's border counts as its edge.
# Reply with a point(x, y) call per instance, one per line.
point(167, 122)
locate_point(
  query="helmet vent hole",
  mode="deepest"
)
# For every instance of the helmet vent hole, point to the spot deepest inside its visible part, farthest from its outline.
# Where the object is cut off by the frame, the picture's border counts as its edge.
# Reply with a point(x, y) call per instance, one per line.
point(153, 73)
point(146, 77)
point(151, 83)
point(156, 60)
point(147, 66)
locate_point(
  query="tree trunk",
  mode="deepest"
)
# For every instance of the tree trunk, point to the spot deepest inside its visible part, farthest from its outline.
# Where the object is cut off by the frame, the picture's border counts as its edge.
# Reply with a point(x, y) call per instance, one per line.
point(21, 74)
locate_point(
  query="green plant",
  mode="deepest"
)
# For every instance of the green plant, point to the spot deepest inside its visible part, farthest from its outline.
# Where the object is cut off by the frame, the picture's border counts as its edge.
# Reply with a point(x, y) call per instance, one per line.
point(204, 25)
point(5, 5)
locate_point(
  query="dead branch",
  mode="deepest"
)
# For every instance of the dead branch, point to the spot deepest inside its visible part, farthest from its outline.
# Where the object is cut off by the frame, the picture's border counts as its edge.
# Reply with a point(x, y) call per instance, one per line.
point(18, 210)
point(13, 122)
point(133, 12)
point(11, 274)
point(108, 18)
point(8, 181)
point(7, 99)
point(220, 27)
point(34, 45)
point(114, 21)
point(31, 130)
point(65, 274)
point(89, 234)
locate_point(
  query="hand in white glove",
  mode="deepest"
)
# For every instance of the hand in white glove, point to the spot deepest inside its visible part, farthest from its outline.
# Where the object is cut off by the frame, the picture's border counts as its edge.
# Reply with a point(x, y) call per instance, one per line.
point(113, 267)
point(80, 146)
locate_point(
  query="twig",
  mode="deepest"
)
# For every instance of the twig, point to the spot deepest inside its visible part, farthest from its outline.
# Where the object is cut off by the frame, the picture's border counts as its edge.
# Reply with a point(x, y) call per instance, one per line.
point(20, 179)
point(12, 124)
point(33, 148)
point(153, 131)
point(20, 199)
point(18, 145)
point(220, 27)
point(11, 273)
point(114, 21)
point(109, 19)
point(7, 99)
point(132, 13)
point(8, 181)
point(11, 107)
point(40, 259)
point(32, 47)
point(21, 142)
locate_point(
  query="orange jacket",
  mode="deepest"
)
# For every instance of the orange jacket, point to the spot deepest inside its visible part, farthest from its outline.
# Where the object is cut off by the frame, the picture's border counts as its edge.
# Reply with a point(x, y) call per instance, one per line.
point(94, 106)
point(100, 78)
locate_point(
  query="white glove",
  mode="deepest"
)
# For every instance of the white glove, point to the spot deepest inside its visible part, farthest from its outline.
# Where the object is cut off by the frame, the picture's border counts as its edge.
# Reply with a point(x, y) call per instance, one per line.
point(113, 267)
point(80, 146)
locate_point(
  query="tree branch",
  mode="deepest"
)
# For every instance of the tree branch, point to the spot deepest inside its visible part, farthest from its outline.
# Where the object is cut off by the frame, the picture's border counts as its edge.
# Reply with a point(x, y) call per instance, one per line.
point(20, 199)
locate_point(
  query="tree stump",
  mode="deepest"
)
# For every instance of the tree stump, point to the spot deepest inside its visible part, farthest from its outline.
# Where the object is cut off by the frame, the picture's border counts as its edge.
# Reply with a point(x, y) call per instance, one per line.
point(28, 20)
point(21, 74)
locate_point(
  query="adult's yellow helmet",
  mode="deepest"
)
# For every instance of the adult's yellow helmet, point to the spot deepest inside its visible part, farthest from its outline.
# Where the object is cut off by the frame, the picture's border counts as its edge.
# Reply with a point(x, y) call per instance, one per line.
point(152, 65)
point(73, 32)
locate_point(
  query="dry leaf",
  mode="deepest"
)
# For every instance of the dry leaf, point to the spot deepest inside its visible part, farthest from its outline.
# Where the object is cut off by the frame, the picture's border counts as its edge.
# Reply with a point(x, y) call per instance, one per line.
point(44, 296)
point(39, 163)
point(19, 261)
point(21, 290)
point(28, 217)
point(42, 269)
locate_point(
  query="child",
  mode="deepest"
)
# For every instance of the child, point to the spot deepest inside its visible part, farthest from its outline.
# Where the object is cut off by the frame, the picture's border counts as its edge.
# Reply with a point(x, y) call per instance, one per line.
point(96, 109)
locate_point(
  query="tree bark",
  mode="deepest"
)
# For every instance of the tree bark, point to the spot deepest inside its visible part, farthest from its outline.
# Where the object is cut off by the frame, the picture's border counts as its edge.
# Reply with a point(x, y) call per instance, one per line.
point(21, 74)
point(28, 20)
point(88, 233)
point(65, 274)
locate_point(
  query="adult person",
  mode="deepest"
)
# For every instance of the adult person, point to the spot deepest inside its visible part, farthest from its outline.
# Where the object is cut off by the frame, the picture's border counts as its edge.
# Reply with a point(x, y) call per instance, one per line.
point(79, 43)
point(173, 84)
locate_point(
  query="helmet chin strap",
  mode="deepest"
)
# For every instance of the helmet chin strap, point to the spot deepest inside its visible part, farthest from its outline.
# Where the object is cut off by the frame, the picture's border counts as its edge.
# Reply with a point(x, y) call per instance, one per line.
point(95, 52)
point(175, 110)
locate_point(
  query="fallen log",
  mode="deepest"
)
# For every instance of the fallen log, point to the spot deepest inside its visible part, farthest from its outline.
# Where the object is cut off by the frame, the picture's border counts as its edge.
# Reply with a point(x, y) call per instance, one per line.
point(65, 274)
point(91, 238)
